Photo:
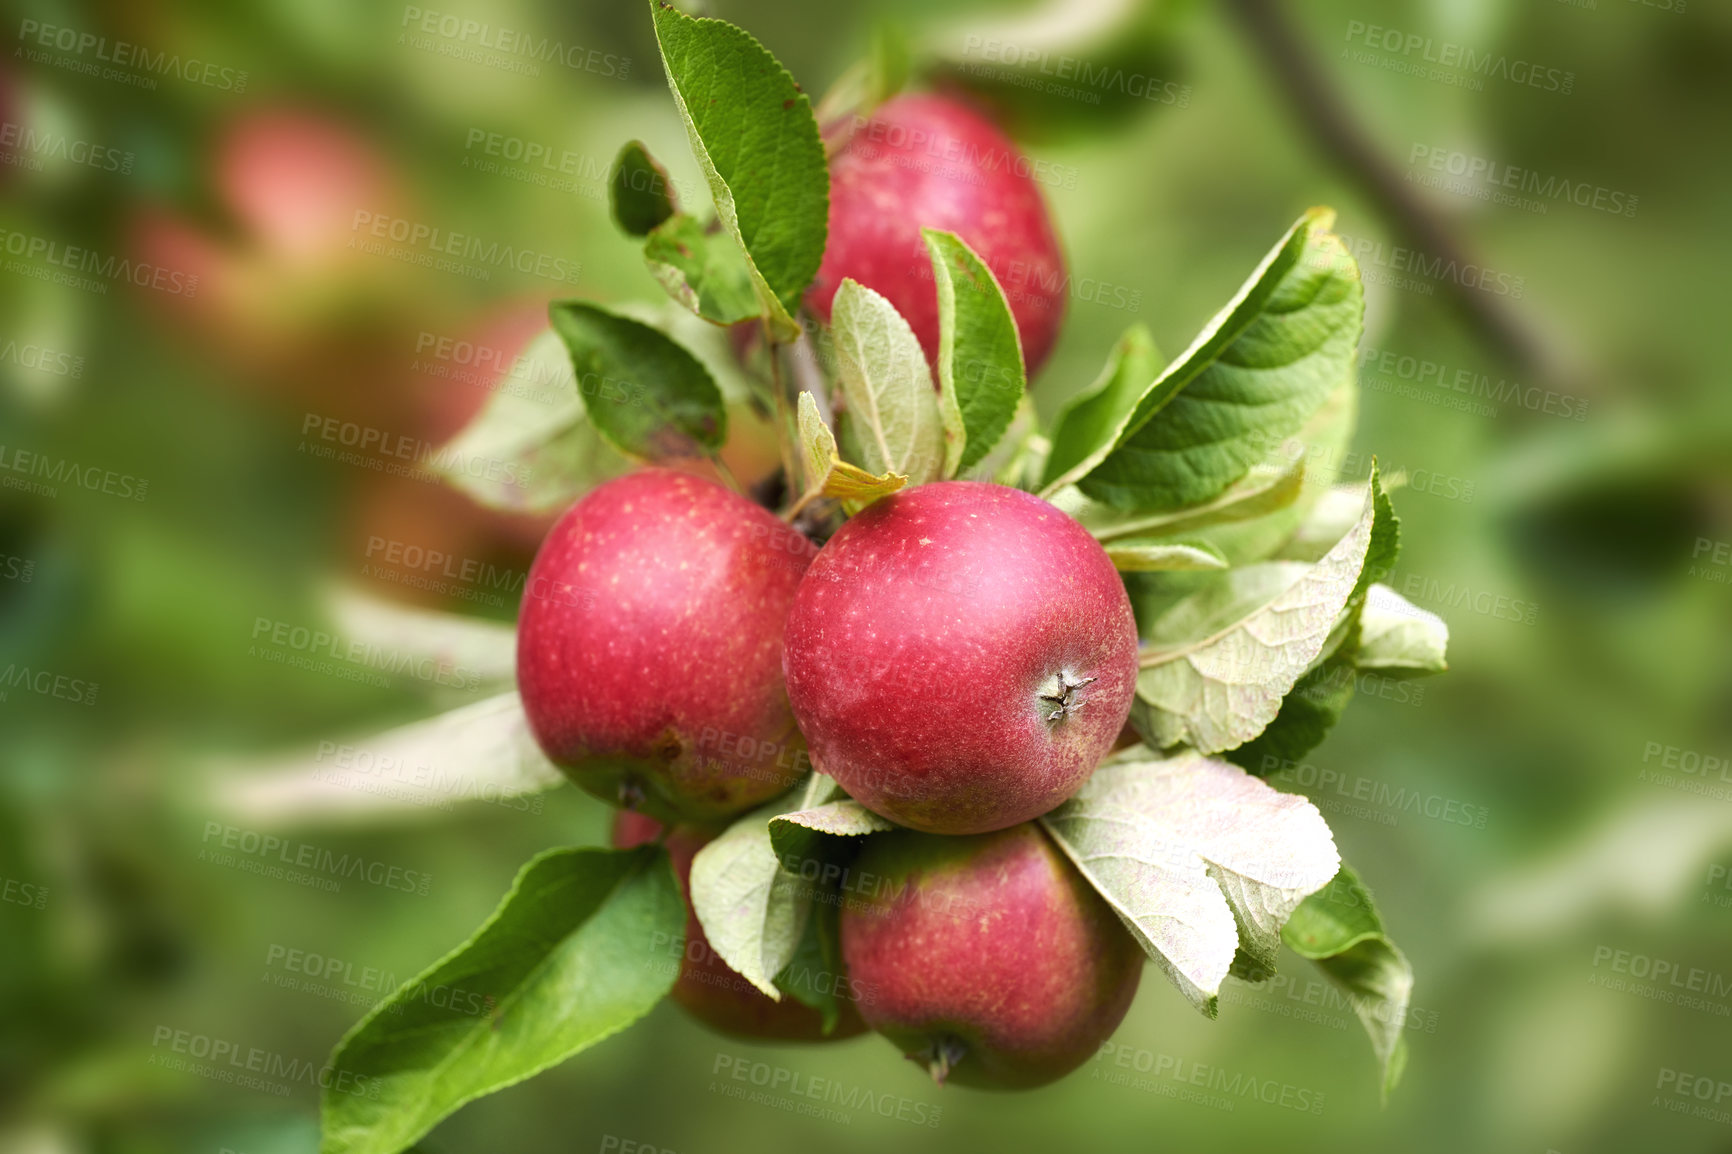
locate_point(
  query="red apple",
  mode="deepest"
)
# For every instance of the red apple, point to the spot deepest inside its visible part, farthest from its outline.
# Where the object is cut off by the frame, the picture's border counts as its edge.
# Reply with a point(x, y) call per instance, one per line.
point(925, 161)
point(649, 646)
point(708, 989)
point(991, 961)
point(960, 656)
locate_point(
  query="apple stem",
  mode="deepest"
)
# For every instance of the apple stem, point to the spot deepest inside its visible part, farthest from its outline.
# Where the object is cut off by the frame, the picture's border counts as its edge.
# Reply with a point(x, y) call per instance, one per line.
point(942, 1056)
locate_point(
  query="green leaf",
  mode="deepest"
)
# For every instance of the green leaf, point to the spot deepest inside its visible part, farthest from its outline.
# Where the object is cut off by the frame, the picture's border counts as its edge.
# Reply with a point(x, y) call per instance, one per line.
point(1150, 554)
point(1399, 639)
point(1016, 459)
point(892, 409)
point(812, 975)
point(531, 449)
point(638, 191)
point(1222, 659)
point(805, 835)
point(1269, 487)
point(1307, 714)
point(755, 138)
point(1091, 424)
point(1254, 375)
point(705, 273)
point(1198, 858)
point(558, 967)
point(1338, 928)
point(826, 473)
point(644, 392)
point(753, 911)
point(980, 373)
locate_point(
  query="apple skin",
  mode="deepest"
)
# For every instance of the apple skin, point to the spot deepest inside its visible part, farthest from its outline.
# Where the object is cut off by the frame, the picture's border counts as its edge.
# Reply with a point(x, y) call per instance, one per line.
point(924, 161)
point(708, 989)
point(649, 647)
point(923, 639)
point(991, 961)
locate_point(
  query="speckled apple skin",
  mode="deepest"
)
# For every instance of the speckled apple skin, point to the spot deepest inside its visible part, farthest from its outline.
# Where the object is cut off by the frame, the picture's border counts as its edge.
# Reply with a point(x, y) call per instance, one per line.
point(924, 161)
point(994, 940)
point(707, 987)
point(919, 644)
point(649, 646)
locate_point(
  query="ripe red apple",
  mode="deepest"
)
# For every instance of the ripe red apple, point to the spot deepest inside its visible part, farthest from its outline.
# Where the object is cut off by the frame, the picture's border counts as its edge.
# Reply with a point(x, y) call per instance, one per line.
point(960, 656)
point(992, 963)
point(707, 988)
point(649, 646)
point(923, 161)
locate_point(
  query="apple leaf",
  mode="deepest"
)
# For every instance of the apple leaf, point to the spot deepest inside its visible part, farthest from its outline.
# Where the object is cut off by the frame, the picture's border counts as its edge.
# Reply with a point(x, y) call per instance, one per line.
point(461, 652)
point(649, 396)
point(980, 372)
point(754, 135)
point(1222, 659)
point(1308, 712)
point(531, 448)
point(1150, 554)
point(1090, 425)
point(753, 911)
point(1257, 371)
point(1016, 459)
point(800, 837)
point(1399, 639)
point(705, 272)
point(638, 191)
point(480, 752)
point(827, 474)
point(1198, 858)
point(892, 409)
point(557, 967)
point(1338, 928)
point(814, 976)
point(1269, 487)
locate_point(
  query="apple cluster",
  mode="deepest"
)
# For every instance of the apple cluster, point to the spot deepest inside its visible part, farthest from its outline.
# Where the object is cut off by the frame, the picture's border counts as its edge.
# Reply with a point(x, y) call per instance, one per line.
point(957, 657)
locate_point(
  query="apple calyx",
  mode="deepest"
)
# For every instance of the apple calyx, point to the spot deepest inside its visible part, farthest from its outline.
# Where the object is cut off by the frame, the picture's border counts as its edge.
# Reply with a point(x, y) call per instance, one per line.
point(941, 1056)
point(631, 793)
point(1060, 689)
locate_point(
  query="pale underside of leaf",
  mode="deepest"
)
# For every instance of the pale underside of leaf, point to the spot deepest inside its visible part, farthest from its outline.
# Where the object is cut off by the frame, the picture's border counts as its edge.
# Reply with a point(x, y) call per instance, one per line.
point(1139, 555)
point(887, 386)
point(1220, 690)
point(753, 911)
point(827, 474)
point(1398, 638)
point(1267, 488)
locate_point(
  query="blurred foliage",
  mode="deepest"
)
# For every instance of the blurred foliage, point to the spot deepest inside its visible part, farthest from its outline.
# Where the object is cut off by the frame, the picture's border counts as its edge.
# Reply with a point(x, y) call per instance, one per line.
point(117, 930)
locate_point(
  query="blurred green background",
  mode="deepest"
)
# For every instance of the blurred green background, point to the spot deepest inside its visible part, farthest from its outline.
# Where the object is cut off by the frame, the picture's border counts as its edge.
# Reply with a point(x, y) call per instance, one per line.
point(163, 496)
